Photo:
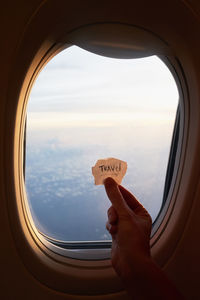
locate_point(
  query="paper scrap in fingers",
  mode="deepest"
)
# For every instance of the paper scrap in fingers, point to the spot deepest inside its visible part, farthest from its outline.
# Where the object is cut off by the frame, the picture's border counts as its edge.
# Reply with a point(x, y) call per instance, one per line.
point(109, 167)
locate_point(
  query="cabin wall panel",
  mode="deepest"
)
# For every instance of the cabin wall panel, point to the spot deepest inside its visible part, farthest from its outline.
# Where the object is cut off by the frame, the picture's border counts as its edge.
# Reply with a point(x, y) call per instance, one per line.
point(186, 258)
point(18, 18)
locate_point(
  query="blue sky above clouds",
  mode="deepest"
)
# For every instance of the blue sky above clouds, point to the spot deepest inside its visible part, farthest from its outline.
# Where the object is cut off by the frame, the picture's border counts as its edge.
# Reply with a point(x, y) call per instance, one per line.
point(84, 107)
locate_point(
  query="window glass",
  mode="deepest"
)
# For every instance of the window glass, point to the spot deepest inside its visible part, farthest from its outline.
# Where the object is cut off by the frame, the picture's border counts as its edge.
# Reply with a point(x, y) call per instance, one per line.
point(84, 107)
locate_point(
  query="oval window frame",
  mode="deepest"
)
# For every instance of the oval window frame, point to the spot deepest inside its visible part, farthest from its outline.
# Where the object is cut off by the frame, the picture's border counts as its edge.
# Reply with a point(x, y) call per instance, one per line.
point(86, 37)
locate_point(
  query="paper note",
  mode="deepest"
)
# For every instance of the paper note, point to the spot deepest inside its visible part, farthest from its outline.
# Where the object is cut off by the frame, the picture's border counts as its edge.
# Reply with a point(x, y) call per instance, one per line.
point(109, 167)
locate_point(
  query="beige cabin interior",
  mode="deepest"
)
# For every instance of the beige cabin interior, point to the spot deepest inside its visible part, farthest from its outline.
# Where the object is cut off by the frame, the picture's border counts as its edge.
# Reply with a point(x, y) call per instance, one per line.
point(31, 32)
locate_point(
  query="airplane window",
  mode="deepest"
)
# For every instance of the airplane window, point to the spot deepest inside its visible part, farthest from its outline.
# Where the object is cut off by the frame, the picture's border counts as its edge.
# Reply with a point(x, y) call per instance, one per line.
point(84, 107)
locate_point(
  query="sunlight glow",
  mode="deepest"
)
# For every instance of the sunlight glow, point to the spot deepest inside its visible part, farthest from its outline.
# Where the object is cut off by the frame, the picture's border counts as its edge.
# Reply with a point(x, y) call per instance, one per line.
point(49, 120)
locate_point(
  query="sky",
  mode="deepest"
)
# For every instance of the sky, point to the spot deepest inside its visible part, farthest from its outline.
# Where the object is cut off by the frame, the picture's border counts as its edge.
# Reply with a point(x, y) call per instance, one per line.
point(84, 107)
point(92, 90)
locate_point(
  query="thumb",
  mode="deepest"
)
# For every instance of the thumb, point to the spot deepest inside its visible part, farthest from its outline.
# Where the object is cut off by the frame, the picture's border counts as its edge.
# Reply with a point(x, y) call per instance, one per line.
point(115, 196)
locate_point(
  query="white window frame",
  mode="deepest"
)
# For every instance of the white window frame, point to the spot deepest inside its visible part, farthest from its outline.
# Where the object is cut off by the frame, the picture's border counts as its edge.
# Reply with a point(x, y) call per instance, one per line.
point(101, 249)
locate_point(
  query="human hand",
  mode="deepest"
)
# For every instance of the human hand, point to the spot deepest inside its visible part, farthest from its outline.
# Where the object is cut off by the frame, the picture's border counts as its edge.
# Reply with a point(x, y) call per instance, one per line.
point(130, 226)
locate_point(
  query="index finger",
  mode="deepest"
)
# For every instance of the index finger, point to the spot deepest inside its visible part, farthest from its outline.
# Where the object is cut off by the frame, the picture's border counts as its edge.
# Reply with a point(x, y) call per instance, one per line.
point(115, 196)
